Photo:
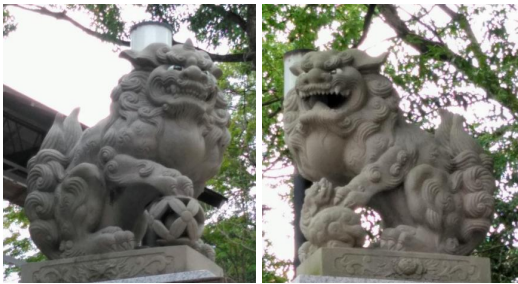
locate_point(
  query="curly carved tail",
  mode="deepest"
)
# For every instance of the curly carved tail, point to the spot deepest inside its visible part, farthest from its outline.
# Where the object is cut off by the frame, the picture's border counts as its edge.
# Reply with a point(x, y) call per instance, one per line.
point(471, 179)
point(46, 172)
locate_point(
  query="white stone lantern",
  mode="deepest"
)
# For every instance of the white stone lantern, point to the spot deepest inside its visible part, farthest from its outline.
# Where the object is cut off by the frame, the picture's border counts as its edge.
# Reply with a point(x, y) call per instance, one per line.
point(146, 33)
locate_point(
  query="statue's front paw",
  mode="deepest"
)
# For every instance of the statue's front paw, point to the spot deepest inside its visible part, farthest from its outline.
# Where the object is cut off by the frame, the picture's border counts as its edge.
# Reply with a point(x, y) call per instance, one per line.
point(401, 238)
point(306, 250)
point(114, 239)
point(109, 239)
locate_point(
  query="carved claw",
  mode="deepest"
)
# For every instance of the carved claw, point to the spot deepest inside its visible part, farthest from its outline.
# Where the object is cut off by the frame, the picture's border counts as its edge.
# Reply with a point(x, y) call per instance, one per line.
point(400, 238)
point(341, 194)
point(114, 239)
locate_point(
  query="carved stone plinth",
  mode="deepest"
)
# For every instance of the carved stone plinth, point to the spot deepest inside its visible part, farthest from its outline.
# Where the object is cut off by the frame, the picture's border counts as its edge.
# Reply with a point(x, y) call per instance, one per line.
point(394, 265)
point(120, 265)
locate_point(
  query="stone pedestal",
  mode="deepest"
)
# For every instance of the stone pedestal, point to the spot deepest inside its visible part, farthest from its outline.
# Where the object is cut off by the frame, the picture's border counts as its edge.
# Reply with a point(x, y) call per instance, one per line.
point(349, 265)
point(161, 264)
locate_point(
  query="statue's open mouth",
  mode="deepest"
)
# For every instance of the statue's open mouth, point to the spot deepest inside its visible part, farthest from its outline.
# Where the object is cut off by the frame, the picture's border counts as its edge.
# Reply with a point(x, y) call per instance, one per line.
point(323, 99)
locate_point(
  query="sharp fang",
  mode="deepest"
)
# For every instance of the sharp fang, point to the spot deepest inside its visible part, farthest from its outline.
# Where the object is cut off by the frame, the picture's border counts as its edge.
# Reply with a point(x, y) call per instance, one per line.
point(337, 89)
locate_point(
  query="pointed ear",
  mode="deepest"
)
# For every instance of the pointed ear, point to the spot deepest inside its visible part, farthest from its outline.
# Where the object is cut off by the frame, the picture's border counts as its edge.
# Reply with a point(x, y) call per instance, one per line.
point(296, 69)
point(129, 55)
point(188, 45)
point(146, 57)
point(364, 62)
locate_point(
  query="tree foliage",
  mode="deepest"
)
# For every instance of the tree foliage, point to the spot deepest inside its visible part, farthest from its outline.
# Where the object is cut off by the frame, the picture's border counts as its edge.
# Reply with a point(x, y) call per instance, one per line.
point(16, 245)
point(464, 58)
point(230, 229)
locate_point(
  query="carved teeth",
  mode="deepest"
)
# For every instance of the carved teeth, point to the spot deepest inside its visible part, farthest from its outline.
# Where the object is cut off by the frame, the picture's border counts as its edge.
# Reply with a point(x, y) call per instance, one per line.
point(176, 92)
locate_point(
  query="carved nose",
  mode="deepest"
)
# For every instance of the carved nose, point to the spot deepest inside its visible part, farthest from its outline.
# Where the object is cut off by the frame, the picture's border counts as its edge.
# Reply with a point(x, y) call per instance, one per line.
point(317, 76)
point(194, 73)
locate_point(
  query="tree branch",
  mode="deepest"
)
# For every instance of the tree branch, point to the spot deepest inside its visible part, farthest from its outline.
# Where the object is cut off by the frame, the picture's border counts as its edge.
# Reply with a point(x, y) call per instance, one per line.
point(230, 15)
point(432, 30)
point(231, 240)
point(239, 57)
point(63, 16)
point(366, 24)
point(440, 51)
point(464, 24)
point(273, 101)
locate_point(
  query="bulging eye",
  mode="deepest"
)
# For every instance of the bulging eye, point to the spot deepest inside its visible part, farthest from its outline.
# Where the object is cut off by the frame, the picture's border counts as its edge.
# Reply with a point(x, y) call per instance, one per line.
point(336, 71)
point(175, 67)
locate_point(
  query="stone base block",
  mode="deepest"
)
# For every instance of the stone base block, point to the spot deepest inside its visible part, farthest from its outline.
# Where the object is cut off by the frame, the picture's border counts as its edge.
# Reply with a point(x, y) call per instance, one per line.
point(198, 276)
point(331, 279)
point(123, 265)
point(349, 263)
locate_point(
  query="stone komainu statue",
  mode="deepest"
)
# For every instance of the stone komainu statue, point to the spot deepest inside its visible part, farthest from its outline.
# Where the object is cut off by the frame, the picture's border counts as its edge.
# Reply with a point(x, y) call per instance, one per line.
point(164, 138)
point(434, 193)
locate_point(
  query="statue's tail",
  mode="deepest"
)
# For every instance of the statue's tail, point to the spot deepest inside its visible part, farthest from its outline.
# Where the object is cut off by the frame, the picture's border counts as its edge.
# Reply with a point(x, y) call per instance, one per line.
point(472, 180)
point(46, 172)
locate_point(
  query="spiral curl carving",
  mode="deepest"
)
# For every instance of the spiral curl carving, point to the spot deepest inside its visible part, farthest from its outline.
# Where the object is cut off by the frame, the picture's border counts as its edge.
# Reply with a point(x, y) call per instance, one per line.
point(45, 235)
point(39, 205)
point(73, 193)
point(478, 205)
point(174, 58)
point(380, 86)
point(106, 154)
point(346, 58)
point(41, 177)
point(478, 179)
point(161, 54)
point(380, 110)
point(131, 84)
point(470, 227)
point(112, 167)
point(465, 159)
point(46, 156)
point(395, 169)
point(145, 169)
point(129, 101)
point(333, 63)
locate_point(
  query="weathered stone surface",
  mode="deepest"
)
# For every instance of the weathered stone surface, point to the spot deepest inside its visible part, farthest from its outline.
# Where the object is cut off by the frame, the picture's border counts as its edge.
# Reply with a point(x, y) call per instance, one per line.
point(164, 138)
point(331, 279)
point(198, 276)
point(120, 265)
point(347, 134)
point(396, 265)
